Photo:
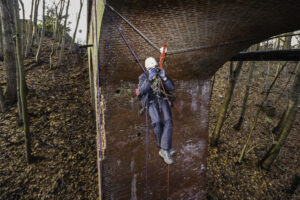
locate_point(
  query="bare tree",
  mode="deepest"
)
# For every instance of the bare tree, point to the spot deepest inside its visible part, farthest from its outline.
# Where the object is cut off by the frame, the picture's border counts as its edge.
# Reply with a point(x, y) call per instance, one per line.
point(283, 90)
point(56, 16)
point(29, 35)
point(37, 57)
point(289, 118)
point(51, 55)
point(35, 17)
point(58, 20)
point(22, 81)
point(243, 152)
point(244, 106)
point(228, 94)
point(2, 101)
point(278, 128)
point(9, 52)
point(1, 43)
point(62, 47)
point(77, 22)
point(288, 41)
point(23, 27)
point(212, 86)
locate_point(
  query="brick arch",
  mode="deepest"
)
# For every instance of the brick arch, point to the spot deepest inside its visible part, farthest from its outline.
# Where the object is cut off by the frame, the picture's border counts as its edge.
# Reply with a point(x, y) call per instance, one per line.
point(188, 24)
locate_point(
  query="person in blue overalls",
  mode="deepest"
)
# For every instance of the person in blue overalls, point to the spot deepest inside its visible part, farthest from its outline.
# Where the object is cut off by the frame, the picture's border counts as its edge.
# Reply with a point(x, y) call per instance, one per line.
point(158, 104)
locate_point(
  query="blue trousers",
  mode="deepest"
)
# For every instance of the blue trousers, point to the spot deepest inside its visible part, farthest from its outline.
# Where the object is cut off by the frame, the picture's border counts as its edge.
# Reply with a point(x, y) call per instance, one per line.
point(161, 117)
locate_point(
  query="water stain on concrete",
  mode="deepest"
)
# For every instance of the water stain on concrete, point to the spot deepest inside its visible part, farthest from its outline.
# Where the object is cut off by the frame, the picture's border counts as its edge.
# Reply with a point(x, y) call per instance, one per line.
point(125, 159)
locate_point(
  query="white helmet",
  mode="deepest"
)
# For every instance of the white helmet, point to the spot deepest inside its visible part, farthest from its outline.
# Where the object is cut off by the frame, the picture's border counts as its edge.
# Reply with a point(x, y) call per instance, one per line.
point(150, 63)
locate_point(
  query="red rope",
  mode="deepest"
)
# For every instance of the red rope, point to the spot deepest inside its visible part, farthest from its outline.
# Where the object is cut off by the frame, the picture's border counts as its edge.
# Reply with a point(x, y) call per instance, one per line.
point(168, 194)
point(162, 56)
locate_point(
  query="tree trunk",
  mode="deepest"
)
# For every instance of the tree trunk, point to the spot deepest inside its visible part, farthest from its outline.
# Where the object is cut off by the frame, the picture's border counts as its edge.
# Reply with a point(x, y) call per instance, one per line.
point(58, 20)
point(29, 35)
point(23, 28)
point(287, 83)
point(2, 101)
point(9, 52)
point(22, 36)
point(244, 106)
point(22, 81)
point(77, 22)
point(51, 54)
point(278, 128)
point(62, 47)
point(290, 115)
point(1, 43)
point(91, 78)
point(243, 152)
point(266, 75)
point(35, 27)
point(212, 86)
point(288, 41)
point(20, 119)
point(56, 17)
point(37, 57)
point(229, 91)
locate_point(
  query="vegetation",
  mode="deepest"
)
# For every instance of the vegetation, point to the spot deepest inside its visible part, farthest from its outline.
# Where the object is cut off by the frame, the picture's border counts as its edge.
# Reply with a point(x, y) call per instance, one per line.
point(229, 91)
point(237, 165)
point(13, 53)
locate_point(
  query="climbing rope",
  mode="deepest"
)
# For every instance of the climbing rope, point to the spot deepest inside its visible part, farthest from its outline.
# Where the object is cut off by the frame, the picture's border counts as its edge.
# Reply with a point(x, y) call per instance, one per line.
point(98, 103)
point(142, 67)
point(147, 153)
point(125, 40)
point(183, 50)
point(134, 28)
point(168, 188)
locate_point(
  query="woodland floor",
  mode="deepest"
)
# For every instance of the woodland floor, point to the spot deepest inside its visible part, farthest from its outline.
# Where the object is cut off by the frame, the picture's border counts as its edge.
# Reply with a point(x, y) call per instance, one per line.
point(226, 178)
point(63, 130)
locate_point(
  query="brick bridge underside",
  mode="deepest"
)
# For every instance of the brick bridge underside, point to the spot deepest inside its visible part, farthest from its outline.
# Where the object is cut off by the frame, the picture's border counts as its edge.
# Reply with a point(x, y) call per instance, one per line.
point(179, 24)
point(187, 24)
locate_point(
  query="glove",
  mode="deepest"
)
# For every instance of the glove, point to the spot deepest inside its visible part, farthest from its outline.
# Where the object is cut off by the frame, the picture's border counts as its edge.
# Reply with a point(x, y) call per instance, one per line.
point(162, 73)
point(152, 74)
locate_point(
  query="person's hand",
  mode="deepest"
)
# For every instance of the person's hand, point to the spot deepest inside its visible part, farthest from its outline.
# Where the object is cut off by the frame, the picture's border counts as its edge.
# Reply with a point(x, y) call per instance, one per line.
point(152, 74)
point(162, 73)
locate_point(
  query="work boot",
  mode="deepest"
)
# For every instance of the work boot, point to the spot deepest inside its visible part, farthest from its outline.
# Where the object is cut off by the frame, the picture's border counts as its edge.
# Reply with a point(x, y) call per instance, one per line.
point(172, 151)
point(166, 156)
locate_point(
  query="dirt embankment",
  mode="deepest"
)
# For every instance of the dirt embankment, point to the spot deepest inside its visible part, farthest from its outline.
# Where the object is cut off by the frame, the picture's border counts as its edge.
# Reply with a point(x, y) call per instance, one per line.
point(63, 131)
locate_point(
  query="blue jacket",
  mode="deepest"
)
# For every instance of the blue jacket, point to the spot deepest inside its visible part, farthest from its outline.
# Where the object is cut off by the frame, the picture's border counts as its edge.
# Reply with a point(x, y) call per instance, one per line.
point(146, 89)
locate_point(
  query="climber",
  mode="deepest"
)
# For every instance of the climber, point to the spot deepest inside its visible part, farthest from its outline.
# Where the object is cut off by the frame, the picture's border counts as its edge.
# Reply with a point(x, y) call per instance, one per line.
point(159, 105)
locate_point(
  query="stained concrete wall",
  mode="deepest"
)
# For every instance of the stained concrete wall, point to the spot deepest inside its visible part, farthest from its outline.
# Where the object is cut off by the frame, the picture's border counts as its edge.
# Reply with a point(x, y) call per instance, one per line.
point(221, 29)
point(125, 152)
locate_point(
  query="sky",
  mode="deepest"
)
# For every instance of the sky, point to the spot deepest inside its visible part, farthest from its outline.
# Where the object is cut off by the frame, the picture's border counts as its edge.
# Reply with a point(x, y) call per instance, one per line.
point(73, 10)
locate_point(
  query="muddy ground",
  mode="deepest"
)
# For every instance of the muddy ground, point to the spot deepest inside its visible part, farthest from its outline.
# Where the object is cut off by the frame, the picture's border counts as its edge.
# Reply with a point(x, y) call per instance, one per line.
point(63, 131)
